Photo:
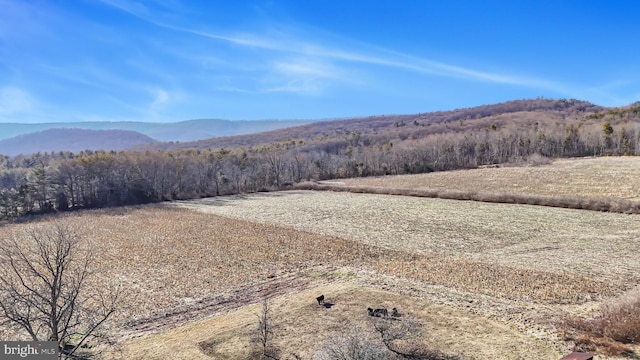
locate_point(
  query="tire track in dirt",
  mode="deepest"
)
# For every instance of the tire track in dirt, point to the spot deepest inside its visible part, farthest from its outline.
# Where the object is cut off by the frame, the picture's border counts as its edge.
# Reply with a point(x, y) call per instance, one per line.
point(231, 300)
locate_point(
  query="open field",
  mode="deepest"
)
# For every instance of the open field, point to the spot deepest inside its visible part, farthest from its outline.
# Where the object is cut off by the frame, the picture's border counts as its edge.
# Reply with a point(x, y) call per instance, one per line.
point(596, 245)
point(486, 280)
point(602, 177)
point(179, 265)
point(302, 327)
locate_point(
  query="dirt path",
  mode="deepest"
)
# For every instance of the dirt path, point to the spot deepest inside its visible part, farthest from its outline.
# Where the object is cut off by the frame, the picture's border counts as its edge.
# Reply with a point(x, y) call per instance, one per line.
point(209, 306)
point(442, 311)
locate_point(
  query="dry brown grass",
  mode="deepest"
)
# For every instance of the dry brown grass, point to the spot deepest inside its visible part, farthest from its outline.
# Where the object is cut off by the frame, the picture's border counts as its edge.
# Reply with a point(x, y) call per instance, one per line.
point(595, 245)
point(303, 326)
point(527, 255)
point(603, 177)
point(561, 201)
point(614, 326)
point(168, 258)
point(172, 257)
point(523, 265)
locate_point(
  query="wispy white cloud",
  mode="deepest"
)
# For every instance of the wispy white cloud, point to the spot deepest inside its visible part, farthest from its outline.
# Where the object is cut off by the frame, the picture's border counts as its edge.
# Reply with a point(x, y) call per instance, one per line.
point(18, 105)
point(385, 58)
point(303, 75)
point(148, 76)
point(308, 68)
point(372, 56)
point(132, 7)
point(160, 98)
point(163, 102)
point(282, 42)
point(301, 86)
point(235, 90)
point(14, 100)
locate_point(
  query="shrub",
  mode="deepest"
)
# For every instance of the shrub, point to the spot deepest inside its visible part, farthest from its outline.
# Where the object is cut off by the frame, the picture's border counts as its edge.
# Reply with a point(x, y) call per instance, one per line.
point(616, 325)
point(353, 344)
point(537, 160)
point(384, 339)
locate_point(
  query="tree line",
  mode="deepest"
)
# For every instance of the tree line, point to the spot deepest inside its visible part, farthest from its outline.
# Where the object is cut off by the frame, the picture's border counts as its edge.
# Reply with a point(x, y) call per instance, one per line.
point(48, 182)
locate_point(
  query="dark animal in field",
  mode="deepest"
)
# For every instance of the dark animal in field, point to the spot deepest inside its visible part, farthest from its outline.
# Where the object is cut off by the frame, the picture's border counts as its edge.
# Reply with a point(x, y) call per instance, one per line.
point(378, 312)
point(67, 348)
point(320, 299)
point(395, 313)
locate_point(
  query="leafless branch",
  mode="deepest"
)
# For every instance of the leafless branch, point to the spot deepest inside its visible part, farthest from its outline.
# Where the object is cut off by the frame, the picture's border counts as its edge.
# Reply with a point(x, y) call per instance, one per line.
point(265, 332)
point(42, 287)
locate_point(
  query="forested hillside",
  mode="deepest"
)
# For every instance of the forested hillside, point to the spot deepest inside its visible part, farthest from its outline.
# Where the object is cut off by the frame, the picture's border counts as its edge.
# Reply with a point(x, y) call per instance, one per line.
point(73, 140)
point(189, 130)
point(440, 141)
point(518, 114)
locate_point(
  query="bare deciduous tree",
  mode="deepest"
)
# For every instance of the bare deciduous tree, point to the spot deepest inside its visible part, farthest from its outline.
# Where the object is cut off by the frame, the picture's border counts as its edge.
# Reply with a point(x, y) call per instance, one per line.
point(44, 291)
point(403, 338)
point(385, 338)
point(264, 334)
point(353, 344)
point(399, 336)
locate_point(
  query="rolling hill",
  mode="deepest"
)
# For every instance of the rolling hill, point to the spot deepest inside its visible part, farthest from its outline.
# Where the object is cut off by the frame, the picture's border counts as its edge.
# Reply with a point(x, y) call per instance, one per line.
point(189, 130)
point(521, 114)
point(73, 140)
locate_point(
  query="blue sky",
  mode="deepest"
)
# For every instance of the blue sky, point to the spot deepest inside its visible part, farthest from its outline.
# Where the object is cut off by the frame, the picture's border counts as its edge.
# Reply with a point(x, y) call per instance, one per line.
point(173, 60)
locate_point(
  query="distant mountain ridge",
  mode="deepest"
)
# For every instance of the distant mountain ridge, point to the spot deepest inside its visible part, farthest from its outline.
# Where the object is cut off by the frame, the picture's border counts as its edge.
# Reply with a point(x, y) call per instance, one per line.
point(189, 130)
point(517, 113)
point(74, 140)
